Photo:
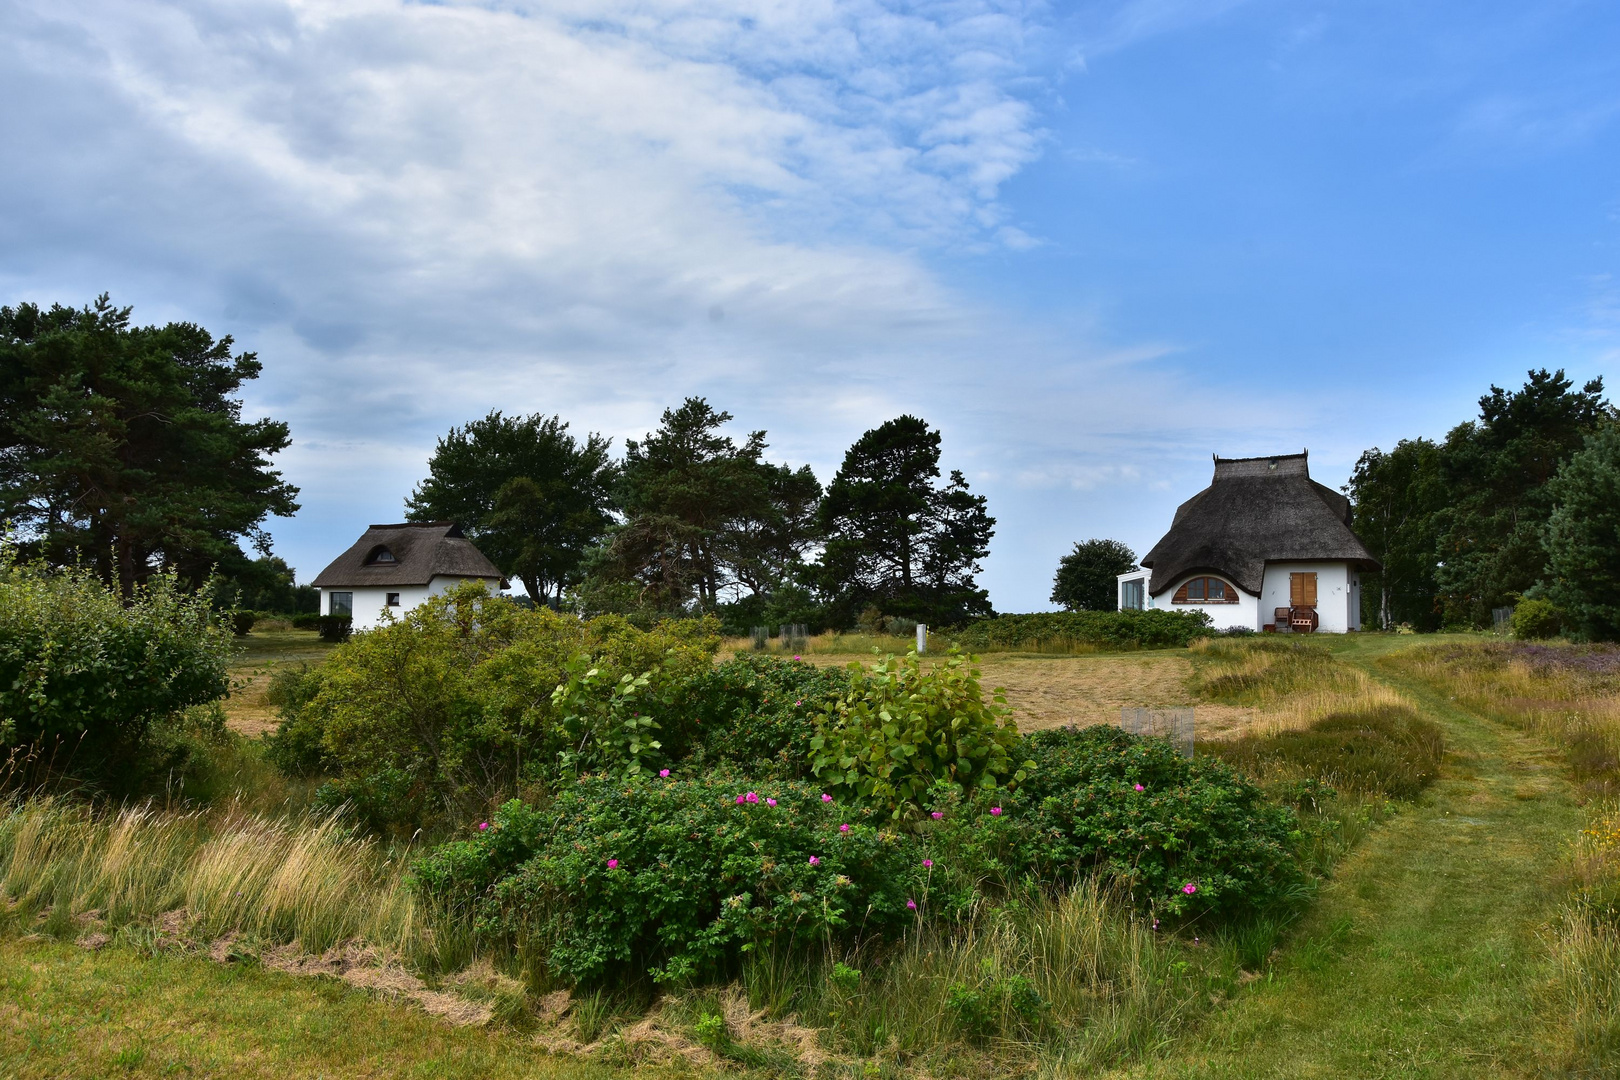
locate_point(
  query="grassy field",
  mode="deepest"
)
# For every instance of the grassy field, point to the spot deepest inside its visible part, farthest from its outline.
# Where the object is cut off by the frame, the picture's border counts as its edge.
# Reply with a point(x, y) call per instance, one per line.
point(1470, 933)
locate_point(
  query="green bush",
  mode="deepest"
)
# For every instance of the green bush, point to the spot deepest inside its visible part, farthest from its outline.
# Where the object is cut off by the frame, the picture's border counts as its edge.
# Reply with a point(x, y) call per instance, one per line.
point(1535, 619)
point(1383, 750)
point(757, 713)
point(1190, 823)
point(1156, 629)
point(901, 729)
point(673, 877)
point(334, 627)
point(456, 702)
point(306, 620)
point(85, 677)
point(242, 622)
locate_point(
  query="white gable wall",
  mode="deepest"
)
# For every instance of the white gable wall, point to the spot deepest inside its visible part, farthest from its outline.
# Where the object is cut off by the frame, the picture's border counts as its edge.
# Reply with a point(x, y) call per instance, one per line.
point(1338, 593)
point(371, 602)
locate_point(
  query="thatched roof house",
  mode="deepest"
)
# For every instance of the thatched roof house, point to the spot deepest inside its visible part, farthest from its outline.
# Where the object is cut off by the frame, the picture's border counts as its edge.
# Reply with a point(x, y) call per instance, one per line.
point(396, 567)
point(1263, 545)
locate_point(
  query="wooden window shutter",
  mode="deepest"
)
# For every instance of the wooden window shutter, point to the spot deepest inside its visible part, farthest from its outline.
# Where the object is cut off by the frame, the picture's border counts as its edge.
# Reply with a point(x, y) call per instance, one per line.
point(1181, 594)
point(1302, 590)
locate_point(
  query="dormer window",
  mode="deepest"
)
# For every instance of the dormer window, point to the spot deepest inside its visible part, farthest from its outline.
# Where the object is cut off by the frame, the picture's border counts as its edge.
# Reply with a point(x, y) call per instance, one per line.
point(381, 557)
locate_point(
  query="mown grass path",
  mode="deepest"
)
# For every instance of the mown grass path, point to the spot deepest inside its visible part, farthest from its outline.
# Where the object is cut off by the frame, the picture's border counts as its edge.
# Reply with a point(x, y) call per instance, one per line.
point(1423, 957)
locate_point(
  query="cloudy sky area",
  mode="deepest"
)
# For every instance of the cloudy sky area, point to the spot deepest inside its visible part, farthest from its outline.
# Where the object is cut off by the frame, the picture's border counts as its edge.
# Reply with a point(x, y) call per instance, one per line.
point(1093, 243)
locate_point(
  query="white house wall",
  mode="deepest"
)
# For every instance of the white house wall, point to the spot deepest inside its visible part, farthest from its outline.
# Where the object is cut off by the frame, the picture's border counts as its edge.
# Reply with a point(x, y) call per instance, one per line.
point(1246, 612)
point(370, 603)
point(1338, 597)
point(1338, 593)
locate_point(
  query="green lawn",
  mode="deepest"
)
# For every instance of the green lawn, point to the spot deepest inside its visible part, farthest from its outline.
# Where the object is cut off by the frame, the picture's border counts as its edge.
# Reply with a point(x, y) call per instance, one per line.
point(65, 1012)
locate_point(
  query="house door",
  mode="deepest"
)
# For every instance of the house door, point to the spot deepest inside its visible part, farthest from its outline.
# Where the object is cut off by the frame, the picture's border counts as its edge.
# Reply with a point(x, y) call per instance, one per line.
point(1302, 590)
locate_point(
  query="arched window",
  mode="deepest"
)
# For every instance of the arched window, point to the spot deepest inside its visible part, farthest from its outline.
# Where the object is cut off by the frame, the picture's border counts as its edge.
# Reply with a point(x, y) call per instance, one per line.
point(1205, 590)
point(381, 556)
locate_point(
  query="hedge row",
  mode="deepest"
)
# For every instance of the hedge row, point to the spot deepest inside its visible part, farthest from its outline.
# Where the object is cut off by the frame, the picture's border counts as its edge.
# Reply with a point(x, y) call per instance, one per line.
point(1117, 629)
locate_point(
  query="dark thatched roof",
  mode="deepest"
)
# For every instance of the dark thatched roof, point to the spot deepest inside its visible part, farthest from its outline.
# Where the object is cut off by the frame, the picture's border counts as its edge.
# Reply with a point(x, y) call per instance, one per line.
point(1255, 511)
point(421, 552)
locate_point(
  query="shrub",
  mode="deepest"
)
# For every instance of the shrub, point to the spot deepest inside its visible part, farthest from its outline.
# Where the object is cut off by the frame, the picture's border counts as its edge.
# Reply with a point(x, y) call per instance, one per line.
point(242, 622)
point(86, 672)
point(673, 877)
point(1535, 619)
point(307, 620)
point(1156, 629)
point(1383, 750)
point(454, 703)
point(295, 746)
point(334, 627)
point(757, 713)
point(1191, 823)
point(899, 730)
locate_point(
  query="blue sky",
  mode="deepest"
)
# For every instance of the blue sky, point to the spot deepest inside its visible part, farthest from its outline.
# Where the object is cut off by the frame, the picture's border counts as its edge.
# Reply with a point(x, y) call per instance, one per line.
point(1093, 243)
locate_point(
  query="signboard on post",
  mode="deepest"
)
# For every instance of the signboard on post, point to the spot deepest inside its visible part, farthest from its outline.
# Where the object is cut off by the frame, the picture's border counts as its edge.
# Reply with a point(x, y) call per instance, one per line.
point(922, 639)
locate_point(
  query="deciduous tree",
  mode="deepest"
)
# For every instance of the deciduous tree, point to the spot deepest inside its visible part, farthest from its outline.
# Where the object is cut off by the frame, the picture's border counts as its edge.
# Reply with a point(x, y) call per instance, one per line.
point(1086, 577)
point(531, 496)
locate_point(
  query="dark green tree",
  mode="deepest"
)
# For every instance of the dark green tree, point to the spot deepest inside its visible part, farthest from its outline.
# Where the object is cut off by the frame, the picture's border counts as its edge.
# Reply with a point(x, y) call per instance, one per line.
point(123, 448)
point(263, 584)
point(898, 540)
point(1396, 497)
point(1583, 536)
point(706, 516)
point(1496, 471)
point(531, 496)
point(1086, 577)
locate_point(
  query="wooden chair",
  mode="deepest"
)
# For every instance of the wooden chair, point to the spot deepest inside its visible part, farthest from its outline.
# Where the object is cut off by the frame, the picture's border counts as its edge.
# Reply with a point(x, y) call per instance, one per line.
point(1302, 620)
point(1280, 618)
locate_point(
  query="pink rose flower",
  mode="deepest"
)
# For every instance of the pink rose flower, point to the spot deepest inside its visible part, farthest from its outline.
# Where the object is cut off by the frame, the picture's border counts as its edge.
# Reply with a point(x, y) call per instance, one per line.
point(995, 811)
point(664, 773)
point(613, 864)
point(739, 800)
point(814, 861)
point(937, 815)
point(482, 825)
point(795, 656)
point(752, 797)
point(1139, 787)
point(911, 905)
point(770, 802)
point(843, 828)
point(928, 864)
point(1189, 888)
point(825, 797)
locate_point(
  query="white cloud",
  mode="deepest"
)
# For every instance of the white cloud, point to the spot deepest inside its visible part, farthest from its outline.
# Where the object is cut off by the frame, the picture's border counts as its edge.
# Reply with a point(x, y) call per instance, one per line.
point(416, 213)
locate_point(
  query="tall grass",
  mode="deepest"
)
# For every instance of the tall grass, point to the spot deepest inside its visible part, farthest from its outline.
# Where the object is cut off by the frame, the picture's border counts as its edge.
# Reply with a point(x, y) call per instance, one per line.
point(303, 882)
point(1586, 950)
point(1568, 694)
point(1291, 684)
point(1073, 978)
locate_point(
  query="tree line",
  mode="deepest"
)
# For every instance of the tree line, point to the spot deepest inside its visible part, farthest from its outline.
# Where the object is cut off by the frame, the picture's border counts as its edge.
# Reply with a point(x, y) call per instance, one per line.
point(1521, 502)
point(123, 451)
point(694, 521)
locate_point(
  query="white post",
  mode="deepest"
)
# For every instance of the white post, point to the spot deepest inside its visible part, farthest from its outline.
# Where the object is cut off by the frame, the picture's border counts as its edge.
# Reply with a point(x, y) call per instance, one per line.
point(922, 639)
